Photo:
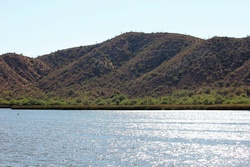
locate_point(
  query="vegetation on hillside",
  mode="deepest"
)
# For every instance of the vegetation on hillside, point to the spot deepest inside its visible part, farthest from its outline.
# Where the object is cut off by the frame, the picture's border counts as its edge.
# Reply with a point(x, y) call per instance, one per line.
point(203, 96)
point(132, 69)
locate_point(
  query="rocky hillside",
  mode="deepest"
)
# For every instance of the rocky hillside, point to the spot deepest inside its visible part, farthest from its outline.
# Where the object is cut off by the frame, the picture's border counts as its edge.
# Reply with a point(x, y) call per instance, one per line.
point(135, 64)
point(18, 74)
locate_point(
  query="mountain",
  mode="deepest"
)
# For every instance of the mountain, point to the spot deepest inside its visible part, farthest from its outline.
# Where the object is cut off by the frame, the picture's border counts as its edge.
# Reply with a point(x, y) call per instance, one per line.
point(134, 64)
point(208, 62)
point(19, 73)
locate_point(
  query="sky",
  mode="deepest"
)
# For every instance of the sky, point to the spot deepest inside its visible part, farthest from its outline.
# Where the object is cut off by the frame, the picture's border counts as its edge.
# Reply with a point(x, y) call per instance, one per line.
point(37, 27)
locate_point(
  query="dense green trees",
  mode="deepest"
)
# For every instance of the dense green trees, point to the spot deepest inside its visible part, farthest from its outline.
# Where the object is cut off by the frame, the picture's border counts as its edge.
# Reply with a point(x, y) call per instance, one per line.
point(205, 96)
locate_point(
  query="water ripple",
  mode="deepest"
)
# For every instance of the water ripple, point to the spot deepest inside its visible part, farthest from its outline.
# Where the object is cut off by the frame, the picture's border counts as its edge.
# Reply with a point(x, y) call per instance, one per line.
point(124, 138)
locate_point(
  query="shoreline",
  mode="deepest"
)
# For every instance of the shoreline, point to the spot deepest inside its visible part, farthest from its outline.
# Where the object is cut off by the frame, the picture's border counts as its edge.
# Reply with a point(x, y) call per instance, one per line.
point(133, 107)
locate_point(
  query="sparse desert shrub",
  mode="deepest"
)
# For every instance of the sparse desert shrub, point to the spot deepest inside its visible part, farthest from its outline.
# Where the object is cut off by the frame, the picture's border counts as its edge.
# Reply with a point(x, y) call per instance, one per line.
point(209, 100)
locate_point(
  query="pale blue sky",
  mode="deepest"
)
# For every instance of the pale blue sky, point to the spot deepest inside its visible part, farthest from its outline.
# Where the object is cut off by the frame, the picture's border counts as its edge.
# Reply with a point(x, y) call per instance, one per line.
point(33, 27)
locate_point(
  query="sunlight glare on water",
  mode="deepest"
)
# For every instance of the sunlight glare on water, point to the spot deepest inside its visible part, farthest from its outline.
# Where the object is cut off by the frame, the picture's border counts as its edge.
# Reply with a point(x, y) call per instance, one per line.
point(124, 138)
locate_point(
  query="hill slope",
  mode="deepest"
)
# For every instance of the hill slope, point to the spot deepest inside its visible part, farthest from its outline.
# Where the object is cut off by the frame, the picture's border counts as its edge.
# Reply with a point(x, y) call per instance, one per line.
point(19, 73)
point(208, 62)
point(134, 64)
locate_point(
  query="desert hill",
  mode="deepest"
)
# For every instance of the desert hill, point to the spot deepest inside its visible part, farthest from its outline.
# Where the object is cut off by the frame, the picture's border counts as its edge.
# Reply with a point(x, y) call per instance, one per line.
point(133, 64)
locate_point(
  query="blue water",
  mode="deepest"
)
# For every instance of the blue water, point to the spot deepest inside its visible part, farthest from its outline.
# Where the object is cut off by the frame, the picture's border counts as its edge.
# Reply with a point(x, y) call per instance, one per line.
point(124, 138)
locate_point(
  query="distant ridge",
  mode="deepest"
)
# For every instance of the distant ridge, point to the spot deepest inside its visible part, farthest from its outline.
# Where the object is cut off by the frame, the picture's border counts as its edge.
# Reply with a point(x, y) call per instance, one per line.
point(134, 64)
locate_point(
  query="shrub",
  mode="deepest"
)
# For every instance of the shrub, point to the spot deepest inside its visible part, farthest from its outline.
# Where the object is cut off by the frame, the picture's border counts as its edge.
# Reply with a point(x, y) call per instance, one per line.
point(219, 99)
point(238, 100)
point(100, 101)
point(4, 102)
point(180, 93)
point(209, 100)
point(118, 98)
point(36, 102)
point(164, 101)
point(126, 102)
point(78, 101)
point(186, 100)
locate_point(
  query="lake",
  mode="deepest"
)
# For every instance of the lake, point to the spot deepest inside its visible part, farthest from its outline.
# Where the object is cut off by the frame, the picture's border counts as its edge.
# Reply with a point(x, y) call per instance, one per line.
point(124, 138)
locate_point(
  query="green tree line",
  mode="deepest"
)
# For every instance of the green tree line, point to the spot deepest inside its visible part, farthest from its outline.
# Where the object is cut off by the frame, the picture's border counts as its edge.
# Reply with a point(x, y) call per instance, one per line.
point(204, 96)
